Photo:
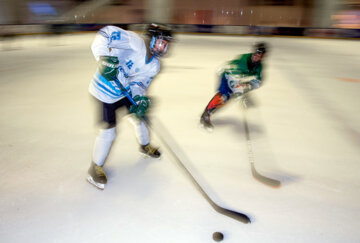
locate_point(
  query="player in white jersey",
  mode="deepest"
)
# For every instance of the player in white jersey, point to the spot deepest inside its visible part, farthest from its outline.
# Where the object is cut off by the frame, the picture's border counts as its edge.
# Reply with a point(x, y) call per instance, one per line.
point(127, 64)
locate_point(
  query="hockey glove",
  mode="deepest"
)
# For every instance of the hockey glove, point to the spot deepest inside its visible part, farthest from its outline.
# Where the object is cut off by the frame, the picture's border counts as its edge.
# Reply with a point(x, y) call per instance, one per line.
point(108, 67)
point(142, 106)
point(255, 83)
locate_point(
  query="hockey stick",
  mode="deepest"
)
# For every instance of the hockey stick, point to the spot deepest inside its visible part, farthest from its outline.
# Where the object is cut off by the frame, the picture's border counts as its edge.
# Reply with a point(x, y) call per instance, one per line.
point(227, 212)
point(265, 180)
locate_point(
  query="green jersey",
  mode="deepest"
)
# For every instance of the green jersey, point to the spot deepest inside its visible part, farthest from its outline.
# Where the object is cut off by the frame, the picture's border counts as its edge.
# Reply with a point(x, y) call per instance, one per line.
point(244, 66)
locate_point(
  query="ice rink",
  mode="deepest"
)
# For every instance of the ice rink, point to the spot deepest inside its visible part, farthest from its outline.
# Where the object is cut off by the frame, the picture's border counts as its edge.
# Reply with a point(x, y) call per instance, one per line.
point(303, 125)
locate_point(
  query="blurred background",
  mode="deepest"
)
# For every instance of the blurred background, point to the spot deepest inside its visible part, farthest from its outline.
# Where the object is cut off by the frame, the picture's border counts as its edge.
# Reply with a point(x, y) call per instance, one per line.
point(285, 17)
point(303, 124)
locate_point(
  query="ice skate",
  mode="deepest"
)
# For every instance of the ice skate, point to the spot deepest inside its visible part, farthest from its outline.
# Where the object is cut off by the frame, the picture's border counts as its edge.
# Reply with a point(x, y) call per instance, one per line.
point(205, 121)
point(148, 150)
point(97, 176)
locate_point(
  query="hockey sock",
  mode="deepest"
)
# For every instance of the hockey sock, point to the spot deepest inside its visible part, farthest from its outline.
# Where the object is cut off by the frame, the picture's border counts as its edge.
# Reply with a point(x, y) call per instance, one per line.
point(102, 145)
point(216, 102)
point(141, 131)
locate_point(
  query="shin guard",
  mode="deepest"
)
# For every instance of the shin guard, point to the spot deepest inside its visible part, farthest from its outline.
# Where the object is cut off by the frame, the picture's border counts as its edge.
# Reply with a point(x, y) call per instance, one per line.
point(216, 102)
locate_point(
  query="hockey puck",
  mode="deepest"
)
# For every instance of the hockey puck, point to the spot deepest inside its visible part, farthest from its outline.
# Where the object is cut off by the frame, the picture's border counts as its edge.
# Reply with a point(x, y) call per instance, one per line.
point(218, 236)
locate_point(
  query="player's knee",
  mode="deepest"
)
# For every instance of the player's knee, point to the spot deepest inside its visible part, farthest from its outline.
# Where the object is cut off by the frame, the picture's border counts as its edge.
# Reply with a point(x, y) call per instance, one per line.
point(108, 134)
point(224, 97)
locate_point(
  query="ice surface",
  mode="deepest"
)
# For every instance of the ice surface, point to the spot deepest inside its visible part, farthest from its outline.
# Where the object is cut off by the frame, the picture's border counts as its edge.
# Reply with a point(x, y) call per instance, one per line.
point(304, 127)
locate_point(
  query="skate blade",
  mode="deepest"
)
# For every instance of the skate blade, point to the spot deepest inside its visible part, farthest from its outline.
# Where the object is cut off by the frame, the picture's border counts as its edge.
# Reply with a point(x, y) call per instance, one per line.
point(209, 129)
point(98, 185)
point(146, 156)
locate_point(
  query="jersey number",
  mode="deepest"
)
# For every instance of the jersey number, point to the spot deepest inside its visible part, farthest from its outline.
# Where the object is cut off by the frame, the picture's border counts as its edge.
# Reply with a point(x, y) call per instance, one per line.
point(129, 64)
point(115, 36)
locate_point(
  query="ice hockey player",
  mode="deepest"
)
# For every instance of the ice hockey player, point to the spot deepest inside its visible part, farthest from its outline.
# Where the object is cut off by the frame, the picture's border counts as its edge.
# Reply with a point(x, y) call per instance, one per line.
point(240, 76)
point(126, 63)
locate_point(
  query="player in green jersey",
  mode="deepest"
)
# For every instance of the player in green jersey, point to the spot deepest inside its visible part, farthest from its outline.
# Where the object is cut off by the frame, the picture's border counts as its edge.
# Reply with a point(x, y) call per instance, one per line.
point(240, 76)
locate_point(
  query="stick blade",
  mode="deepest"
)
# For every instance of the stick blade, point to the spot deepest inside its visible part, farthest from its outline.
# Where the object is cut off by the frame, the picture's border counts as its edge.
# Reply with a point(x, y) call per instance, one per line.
point(243, 218)
point(263, 179)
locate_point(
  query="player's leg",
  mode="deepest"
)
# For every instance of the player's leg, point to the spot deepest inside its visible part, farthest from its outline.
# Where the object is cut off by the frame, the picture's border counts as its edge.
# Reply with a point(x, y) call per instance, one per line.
point(103, 142)
point(219, 100)
point(143, 137)
point(215, 103)
point(102, 146)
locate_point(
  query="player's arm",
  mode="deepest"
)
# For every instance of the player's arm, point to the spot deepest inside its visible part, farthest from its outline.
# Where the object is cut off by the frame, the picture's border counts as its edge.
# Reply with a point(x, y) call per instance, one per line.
point(256, 82)
point(108, 67)
point(99, 46)
point(238, 75)
point(239, 65)
point(138, 87)
point(251, 80)
point(107, 63)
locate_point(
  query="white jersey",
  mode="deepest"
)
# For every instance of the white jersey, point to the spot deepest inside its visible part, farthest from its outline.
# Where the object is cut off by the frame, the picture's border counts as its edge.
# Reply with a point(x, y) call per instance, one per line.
point(135, 71)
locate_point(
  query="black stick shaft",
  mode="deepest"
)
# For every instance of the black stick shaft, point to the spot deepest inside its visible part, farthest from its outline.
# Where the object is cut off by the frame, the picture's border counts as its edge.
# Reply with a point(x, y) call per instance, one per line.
point(227, 212)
